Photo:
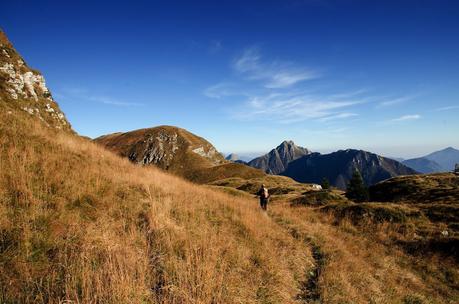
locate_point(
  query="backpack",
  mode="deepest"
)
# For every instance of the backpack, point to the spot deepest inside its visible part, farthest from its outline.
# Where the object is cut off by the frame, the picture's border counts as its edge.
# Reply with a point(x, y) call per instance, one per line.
point(264, 193)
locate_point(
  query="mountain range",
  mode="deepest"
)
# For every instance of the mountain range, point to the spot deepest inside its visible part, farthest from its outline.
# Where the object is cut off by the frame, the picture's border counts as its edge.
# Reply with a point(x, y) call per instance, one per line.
point(338, 167)
point(180, 152)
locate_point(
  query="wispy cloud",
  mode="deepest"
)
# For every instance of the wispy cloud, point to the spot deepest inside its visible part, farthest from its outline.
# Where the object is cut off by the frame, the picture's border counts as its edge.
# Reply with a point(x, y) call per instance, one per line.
point(258, 92)
point(447, 108)
point(74, 93)
point(407, 117)
point(395, 101)
point(338, 116)
point(274, 74)
point(111, 101)
point(224, 89)
point(286, 108)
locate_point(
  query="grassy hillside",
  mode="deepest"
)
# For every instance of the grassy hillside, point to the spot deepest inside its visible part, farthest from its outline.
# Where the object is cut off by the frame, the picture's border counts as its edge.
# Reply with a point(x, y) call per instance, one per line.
point(79, 223)
point(424, 188)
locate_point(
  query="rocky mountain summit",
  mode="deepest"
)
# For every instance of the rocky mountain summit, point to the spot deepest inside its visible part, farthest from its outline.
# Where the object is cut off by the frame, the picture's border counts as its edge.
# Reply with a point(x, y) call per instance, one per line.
point(24, 88)
point(167, 147)
point(338, 167)
point(278, 159)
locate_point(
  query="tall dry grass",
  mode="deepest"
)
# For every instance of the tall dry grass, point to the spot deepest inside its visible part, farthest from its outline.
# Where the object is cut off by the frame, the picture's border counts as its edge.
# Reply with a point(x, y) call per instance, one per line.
point(80, 225)
point(360, 268)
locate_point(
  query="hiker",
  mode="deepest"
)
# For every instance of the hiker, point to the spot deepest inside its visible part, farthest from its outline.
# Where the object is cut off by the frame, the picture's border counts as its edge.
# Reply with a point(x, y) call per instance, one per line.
point(263, 193)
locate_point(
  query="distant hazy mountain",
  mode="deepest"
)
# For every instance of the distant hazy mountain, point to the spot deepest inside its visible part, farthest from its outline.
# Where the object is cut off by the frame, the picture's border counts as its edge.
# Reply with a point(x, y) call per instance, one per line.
point(446, 158)
point(338, 167)
point(399, 159)
point(423, 165)
point(278, 159)
point(232, 157)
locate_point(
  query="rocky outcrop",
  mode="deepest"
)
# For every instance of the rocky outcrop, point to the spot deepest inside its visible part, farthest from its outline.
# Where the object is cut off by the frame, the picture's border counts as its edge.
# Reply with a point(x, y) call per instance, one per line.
point(338, 167)
point(278, 159)
point(25, 89)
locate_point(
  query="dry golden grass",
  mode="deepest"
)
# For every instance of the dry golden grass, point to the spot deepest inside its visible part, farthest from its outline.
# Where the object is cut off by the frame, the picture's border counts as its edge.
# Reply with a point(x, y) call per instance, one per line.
point(360, 268)
point(81, 224)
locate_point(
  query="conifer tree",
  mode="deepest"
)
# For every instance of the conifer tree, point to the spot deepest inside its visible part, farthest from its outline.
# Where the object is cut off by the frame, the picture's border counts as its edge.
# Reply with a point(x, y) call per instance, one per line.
point(325, 184)
point(356, 189)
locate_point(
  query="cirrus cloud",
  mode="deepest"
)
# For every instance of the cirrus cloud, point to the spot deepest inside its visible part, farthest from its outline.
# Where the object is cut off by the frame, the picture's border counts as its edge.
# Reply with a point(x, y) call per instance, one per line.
point(273, 74)
point(407, 117)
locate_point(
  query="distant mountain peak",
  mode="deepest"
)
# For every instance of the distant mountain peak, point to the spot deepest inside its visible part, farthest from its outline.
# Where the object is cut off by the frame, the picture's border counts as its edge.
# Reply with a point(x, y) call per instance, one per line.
point(232, 157)
point(446, 158)
point(287, 143)
point(276, 161)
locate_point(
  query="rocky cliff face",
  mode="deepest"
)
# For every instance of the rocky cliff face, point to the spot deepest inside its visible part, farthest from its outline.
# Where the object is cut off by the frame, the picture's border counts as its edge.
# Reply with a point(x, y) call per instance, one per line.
point(167, 147)
point(338, 167)
point(278, 159)
point(22, 88)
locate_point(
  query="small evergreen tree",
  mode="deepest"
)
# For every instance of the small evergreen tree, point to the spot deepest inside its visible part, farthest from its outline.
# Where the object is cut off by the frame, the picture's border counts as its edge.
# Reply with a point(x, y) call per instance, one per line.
point(356, 189)
point(325, 184)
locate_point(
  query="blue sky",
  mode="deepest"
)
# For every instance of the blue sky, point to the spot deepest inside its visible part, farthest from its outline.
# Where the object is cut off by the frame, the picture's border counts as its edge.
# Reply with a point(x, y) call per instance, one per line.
point(246, 75)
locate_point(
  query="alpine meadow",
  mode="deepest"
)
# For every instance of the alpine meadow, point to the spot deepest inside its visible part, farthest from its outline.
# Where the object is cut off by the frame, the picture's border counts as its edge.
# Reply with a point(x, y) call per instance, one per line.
point(339, 181)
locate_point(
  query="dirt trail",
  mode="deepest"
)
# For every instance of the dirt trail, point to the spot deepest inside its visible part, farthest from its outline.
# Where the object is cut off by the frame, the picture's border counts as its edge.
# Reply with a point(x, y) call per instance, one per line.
point(310, 289)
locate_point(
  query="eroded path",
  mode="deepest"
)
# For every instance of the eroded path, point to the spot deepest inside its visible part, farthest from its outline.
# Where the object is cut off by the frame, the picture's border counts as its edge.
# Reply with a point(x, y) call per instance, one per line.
point(310, 291)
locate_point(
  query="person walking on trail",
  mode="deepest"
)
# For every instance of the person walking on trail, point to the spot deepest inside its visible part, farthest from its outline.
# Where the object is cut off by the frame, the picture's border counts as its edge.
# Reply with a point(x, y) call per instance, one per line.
point(263, 193)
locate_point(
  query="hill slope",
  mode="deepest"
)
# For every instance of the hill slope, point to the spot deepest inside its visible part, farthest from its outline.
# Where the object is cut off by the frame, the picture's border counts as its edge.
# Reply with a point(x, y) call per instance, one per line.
point(446, 158)
point(420, 189)
point(423, 165)
point(277, 160)
point(338, 167)
point(81, 224)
